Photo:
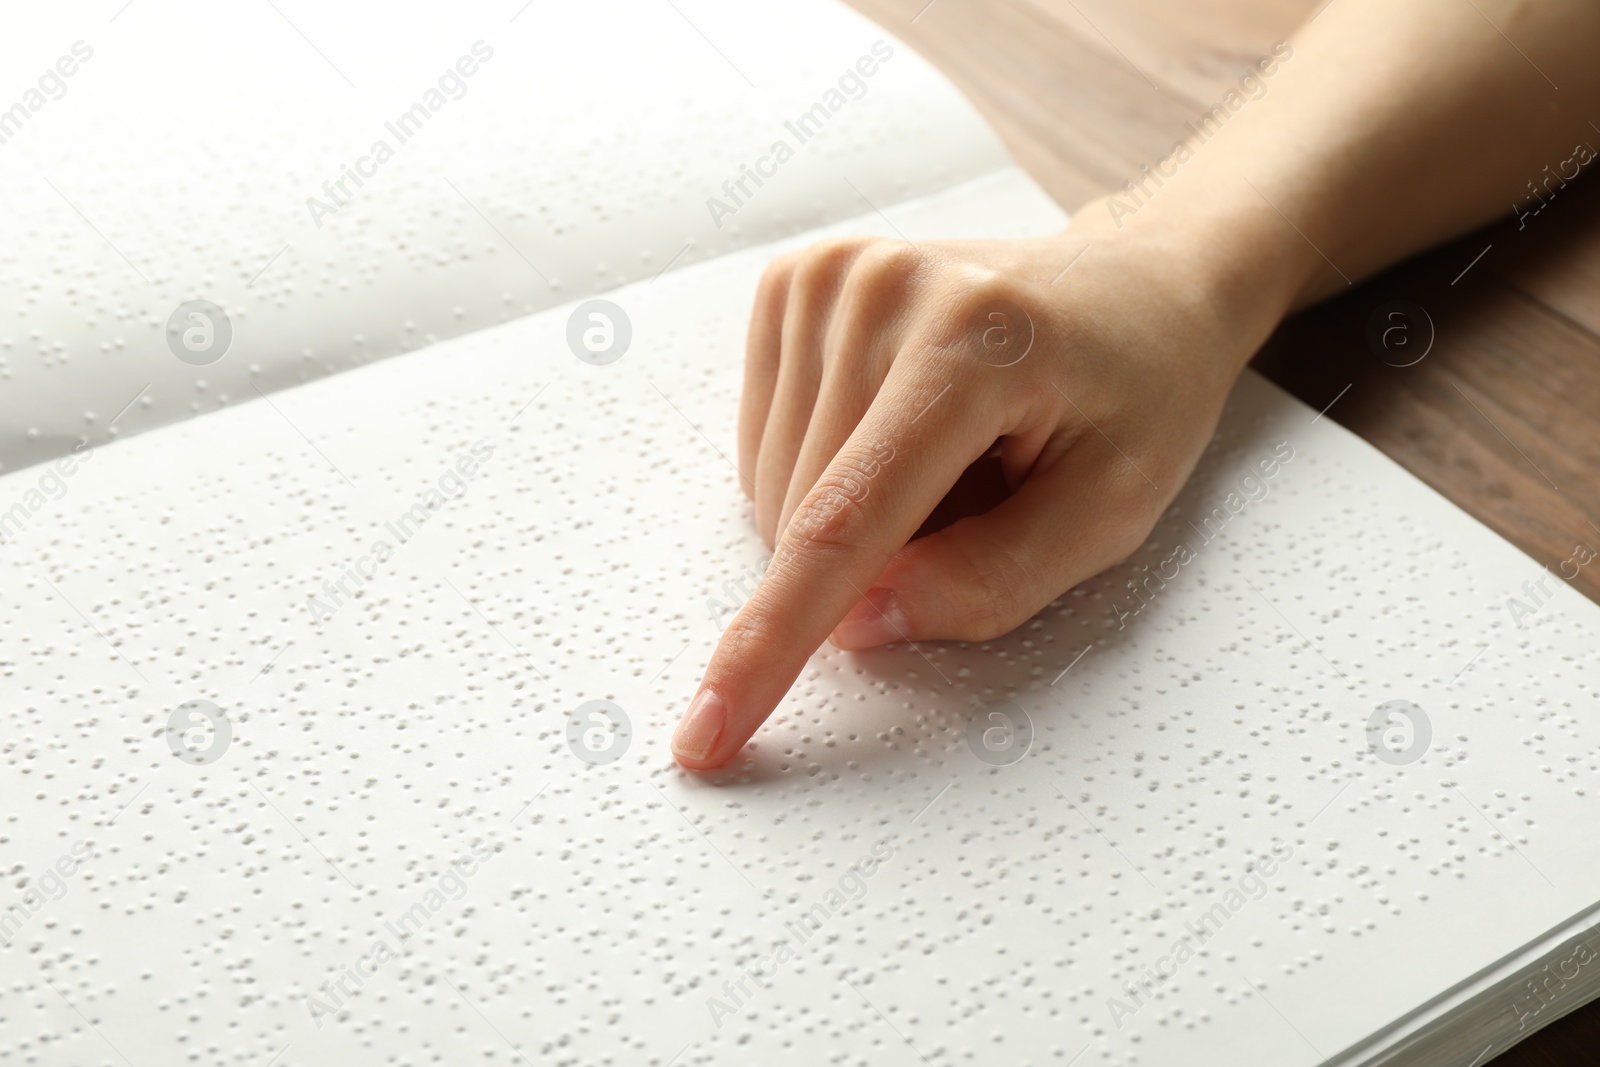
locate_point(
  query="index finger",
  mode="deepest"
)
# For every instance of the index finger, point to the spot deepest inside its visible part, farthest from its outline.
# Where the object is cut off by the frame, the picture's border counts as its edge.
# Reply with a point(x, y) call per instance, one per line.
point(904, 455)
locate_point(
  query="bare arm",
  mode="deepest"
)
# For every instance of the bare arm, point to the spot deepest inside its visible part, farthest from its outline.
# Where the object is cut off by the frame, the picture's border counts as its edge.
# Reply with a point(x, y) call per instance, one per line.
point(1393, 127)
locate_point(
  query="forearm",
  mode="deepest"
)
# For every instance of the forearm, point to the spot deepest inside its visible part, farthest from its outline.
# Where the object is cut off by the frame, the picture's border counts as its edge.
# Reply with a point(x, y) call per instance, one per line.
point(1392, 127)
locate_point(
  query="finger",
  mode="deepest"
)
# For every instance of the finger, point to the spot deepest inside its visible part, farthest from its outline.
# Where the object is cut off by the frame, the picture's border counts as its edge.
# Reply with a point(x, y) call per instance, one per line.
point(868, 502)
point(813, 290)
point(846, 394)
point(763, 344)
point(861, 342)
point(986, 575)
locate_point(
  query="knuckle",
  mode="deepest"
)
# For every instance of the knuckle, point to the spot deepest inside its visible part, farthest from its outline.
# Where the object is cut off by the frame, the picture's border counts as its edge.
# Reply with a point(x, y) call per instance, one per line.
point(975, 286)
point(967, 288)
point(1001, 596)
point(1126, 514)
point(987, 318)
point(748, 634)
point(775, 280)
point(885, 265)
point(827, 262)
point(831, 519)
point(855, 466)
point(1130, 512)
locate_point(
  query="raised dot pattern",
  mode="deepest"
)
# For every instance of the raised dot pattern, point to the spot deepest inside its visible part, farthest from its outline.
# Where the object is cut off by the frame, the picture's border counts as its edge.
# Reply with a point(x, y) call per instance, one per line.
point(399, 858)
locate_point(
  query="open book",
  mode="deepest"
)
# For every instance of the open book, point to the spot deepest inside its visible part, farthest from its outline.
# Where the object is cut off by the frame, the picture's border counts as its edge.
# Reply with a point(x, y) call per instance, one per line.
point(338, 687)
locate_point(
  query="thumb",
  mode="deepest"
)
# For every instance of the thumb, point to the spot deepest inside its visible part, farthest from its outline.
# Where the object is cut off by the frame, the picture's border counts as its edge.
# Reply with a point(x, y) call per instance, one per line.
point(986, 575)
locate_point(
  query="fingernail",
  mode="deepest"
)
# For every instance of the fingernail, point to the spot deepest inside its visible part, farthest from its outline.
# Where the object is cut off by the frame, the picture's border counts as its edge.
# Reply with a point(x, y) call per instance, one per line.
point(876, 620)
point(701, 726)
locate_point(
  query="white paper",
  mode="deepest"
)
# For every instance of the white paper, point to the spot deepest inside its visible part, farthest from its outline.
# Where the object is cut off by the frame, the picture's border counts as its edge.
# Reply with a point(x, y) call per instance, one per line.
point(182, 157)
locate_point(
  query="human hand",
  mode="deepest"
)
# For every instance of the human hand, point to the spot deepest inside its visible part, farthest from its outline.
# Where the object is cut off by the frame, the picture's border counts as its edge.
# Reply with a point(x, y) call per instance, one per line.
point(877, 371)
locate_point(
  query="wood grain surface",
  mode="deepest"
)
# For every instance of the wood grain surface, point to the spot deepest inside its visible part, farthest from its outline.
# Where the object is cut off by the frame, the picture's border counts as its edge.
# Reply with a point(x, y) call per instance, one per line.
point(1499, 416)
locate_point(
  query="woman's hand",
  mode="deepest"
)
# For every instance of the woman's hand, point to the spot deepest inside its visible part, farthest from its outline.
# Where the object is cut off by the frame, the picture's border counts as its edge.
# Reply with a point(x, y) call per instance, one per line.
point(877, 371)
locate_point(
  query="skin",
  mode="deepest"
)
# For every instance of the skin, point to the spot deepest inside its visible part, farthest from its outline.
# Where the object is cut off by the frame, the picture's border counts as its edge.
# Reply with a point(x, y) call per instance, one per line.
point(877, 370)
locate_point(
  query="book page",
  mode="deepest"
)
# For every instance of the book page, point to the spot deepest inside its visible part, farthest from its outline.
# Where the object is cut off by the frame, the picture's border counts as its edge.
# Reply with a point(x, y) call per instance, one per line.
point(204, 206)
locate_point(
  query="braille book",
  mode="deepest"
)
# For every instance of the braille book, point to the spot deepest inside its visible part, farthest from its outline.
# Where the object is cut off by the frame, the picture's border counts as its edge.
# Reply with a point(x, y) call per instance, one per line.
point(368, 391)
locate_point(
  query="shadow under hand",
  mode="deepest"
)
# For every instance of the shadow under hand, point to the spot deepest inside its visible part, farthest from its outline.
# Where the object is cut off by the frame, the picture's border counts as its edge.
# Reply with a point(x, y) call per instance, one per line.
point(905, 706)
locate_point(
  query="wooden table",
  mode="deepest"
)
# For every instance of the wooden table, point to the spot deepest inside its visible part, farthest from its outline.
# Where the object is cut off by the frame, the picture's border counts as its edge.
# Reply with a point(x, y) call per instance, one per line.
point(1499, 416)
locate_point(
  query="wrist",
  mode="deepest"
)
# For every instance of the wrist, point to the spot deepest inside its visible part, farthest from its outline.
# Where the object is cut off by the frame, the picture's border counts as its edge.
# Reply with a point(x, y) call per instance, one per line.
point(1226, 256)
